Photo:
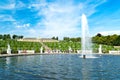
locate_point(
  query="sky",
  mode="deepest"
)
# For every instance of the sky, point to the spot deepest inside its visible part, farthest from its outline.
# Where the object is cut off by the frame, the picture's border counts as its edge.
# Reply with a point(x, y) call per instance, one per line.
point(62, 18)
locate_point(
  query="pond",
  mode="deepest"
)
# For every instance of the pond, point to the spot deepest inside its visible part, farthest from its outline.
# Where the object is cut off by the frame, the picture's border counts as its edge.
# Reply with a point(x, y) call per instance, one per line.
point(60, 67)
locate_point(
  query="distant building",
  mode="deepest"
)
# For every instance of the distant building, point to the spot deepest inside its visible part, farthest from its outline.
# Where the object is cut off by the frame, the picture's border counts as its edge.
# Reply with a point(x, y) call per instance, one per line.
point(37, 40)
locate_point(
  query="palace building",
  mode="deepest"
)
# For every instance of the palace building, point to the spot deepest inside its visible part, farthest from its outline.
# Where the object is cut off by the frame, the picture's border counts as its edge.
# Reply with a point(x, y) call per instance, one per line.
point(37, 40)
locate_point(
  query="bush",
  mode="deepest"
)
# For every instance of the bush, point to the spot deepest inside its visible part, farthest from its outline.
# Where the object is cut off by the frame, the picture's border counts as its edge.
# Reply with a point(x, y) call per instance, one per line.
point(4, 52)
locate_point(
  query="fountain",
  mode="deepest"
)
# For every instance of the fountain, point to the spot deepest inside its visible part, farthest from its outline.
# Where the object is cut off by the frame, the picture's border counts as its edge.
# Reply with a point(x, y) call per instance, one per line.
point(86, 40)
point(8, 49)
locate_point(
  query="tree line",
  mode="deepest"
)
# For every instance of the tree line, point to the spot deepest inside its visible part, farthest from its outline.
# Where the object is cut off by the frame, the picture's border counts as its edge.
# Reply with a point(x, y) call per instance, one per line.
point(78, 39)
point(113, 40)
point(8, 37)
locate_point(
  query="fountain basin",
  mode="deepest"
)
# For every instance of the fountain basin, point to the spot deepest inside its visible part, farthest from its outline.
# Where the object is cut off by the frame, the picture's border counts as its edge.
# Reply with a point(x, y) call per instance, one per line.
point(60, 67)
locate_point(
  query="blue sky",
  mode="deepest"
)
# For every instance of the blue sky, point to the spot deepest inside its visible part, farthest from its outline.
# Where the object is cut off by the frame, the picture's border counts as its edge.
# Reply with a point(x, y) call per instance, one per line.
point(48, 18)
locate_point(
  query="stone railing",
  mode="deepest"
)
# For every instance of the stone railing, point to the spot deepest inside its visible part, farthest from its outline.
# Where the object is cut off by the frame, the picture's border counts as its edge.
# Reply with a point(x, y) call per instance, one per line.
point(114, 52)
point(26, 51)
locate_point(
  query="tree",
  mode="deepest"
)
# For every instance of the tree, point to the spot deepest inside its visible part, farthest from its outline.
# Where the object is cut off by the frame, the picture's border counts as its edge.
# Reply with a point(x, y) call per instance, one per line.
point(107, 40)
point(99, 35)
point(113, 37)
point(6, 36)
point(117, 41)
point(66, 39)
point(56, 38)
point(1, 36)
point(20, 37)
point(14, 36)
point(53, 37)
point(17, 37)
point(78, 39)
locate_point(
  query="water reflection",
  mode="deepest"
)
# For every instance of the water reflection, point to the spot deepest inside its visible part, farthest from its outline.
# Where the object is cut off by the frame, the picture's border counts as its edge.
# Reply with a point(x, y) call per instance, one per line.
point(86, 68)
point(8, 60)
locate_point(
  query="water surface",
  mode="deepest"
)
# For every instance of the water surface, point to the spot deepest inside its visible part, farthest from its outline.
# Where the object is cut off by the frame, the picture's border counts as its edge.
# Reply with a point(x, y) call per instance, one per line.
point(60, 67)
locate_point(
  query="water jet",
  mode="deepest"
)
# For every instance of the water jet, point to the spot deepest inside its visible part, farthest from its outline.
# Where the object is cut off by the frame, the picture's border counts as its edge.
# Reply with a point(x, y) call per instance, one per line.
point(86, 40)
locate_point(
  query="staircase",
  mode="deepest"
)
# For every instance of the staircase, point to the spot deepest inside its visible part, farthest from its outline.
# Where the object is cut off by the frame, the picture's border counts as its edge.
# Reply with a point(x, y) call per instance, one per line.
point(47, 49)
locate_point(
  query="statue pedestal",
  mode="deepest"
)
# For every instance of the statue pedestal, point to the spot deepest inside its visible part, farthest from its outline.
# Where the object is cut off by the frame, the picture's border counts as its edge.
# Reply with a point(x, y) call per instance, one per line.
point(100, 49)
point(8, 51)
point(41, 50)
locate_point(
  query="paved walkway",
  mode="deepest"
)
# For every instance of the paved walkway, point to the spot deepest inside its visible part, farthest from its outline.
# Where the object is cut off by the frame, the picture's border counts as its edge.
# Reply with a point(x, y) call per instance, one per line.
point(22, 54)
point(28, 54)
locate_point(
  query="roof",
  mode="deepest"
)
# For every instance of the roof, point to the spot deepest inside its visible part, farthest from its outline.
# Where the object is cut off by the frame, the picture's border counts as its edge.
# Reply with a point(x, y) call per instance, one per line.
point(37, 39)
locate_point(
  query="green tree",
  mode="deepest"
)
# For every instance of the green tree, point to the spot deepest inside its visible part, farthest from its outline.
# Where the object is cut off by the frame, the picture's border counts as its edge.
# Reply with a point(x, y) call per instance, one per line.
point(20, 37)
point(53, 37)
point(1, 36)
point(14, 36)
point(17, 37)
point(56, 38)
point(6, 36)
point(78, 39)
point(113, 38)
point(99, 35)
point(117, 41)
point(66, 39)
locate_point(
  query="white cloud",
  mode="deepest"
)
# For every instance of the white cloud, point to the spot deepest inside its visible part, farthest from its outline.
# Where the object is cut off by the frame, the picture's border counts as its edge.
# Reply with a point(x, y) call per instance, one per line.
point(60, 18)
point(6, 18)
point(23, 26)
point(63, 19)
point(8, 6)
point(19, 5)
point(13, 5)
point(37, 4)
point(89, 6)
point(32, 31)
point(110, 32)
